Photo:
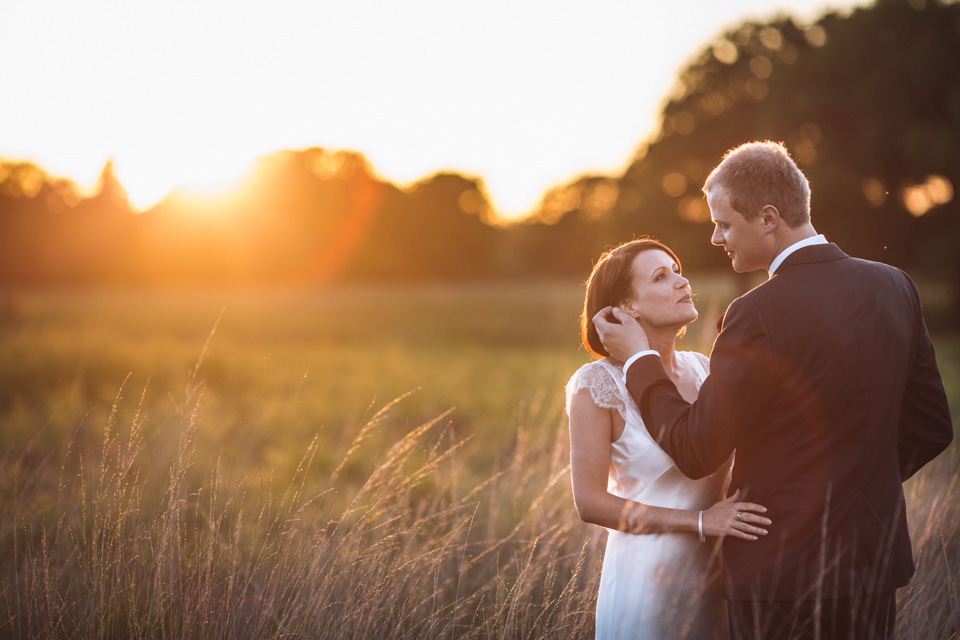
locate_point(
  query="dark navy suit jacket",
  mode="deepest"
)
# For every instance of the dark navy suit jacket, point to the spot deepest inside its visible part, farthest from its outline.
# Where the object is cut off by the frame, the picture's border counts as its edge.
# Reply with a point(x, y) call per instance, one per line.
point(824, 380)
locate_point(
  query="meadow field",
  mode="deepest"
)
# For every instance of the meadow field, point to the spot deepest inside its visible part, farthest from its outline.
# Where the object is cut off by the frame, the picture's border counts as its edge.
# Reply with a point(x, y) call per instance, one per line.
point(346, 462)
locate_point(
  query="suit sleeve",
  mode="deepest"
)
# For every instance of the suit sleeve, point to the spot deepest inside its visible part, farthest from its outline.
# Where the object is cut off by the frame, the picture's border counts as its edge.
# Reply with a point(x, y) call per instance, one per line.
point(926, 428)
point(701, 436)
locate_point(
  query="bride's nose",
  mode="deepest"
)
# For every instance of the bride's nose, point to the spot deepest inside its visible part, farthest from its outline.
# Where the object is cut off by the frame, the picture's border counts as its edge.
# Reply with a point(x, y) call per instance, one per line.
point(682, 282)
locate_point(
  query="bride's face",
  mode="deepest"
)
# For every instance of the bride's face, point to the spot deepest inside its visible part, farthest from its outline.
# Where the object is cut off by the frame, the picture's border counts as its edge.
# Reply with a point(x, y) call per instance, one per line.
point(660, 296)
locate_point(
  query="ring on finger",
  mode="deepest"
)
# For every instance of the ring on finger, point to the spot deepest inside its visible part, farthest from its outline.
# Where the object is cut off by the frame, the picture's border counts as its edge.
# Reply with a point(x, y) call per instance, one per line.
point(738, 517)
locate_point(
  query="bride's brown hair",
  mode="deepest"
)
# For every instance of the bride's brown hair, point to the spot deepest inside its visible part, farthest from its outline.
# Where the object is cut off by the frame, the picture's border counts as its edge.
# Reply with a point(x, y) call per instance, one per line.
point(609, 285)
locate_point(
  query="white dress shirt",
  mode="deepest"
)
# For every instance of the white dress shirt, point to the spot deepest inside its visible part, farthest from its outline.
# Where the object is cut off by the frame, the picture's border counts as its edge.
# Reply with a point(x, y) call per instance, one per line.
point(806, 242)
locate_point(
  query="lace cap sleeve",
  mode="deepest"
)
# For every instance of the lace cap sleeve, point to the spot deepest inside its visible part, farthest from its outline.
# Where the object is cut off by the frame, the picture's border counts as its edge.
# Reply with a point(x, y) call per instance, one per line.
point(603, 388)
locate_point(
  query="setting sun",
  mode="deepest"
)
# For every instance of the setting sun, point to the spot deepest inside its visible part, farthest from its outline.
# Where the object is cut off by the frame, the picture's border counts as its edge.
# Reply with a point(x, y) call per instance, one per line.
point(210, 180)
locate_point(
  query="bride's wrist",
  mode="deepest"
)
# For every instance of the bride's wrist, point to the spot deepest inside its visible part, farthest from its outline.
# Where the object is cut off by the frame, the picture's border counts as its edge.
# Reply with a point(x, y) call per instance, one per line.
point(694, 522)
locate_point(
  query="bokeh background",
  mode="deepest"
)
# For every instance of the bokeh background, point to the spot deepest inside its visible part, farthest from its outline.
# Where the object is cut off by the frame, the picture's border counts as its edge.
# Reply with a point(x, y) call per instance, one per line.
point(285, 354)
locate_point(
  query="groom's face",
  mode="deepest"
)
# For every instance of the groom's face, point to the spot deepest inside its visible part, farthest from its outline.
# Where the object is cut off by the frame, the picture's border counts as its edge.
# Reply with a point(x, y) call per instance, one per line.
point(743, 240)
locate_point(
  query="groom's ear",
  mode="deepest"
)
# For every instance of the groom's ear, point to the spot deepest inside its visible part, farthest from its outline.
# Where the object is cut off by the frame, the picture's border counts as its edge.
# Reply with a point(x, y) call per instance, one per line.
point(769, 217)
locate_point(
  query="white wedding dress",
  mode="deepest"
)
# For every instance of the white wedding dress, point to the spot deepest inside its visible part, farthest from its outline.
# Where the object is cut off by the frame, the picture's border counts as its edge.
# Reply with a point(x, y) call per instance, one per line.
point(654, 586)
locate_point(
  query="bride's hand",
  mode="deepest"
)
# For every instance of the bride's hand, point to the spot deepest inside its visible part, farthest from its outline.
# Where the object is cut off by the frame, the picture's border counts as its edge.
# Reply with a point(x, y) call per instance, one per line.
point(733, 518)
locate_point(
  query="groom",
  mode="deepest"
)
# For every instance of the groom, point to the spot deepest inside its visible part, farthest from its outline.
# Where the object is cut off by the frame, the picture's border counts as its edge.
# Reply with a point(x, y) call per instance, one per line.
point(824, 380)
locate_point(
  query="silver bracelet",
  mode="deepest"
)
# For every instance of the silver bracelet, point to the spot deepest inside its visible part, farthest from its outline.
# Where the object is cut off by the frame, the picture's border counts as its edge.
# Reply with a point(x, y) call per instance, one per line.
point(700, 527)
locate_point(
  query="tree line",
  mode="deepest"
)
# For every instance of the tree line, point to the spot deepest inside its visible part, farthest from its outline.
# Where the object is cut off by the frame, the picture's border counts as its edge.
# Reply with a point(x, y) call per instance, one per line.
point(868, 103)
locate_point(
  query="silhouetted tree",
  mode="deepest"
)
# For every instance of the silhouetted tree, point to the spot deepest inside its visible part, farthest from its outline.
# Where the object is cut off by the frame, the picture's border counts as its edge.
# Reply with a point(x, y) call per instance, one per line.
point(869, 105)
point(314, 215)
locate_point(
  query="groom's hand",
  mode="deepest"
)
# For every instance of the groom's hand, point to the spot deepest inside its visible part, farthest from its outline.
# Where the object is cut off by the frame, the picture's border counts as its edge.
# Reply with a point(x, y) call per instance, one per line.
point(621, 334)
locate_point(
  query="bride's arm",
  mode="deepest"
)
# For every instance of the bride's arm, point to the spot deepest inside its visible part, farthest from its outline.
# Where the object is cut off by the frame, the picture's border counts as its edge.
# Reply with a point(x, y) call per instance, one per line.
point(591, 434)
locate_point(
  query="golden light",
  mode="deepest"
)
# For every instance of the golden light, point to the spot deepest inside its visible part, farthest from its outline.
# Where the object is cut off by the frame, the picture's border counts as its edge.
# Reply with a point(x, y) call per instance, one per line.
point(206, 176)
point(805, 147)
point(674, 184)
point(874, 192)
point(214, 188)
point(726, 51)
point(328, 164)
point(761, 67)
point(215, 196)
point(713, 103)
point(470, 201)
point(601, 199)
point(354, 226)
point(558, 201)
point(27, 180)
point(935, 191)
point(816, 35)
point(771, 38)
point(694, 209)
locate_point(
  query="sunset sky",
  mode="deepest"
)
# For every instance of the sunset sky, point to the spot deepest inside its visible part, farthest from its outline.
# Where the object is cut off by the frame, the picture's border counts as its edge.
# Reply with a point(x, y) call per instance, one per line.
point(524, 94)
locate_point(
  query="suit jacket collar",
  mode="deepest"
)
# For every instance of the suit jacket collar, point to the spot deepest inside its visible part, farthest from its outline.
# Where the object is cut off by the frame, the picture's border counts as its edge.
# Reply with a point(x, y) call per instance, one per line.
point(807, 255)
point(815, 253)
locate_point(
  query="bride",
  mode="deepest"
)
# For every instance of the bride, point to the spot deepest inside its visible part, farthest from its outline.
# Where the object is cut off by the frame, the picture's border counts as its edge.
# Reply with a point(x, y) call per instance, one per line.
point(661, 569)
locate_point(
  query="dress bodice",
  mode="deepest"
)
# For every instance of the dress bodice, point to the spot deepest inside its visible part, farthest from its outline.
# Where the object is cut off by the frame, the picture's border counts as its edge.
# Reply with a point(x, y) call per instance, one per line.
point(639, 469)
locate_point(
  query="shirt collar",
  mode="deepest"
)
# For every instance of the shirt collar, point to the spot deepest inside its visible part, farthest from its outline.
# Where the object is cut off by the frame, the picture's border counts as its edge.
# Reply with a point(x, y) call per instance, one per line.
point(806, 242)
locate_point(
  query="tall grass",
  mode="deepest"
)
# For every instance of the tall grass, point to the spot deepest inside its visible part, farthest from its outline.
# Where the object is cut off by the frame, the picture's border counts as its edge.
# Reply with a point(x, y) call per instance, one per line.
point(136, 523)
point(110, 551)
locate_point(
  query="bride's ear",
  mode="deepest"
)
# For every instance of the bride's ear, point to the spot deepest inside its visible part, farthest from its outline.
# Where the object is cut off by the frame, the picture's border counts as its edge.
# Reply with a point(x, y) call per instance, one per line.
point(630, 307)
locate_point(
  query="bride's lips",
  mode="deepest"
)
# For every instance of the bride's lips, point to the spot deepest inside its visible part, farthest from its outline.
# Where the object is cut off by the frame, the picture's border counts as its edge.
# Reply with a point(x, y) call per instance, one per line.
point(686, 298)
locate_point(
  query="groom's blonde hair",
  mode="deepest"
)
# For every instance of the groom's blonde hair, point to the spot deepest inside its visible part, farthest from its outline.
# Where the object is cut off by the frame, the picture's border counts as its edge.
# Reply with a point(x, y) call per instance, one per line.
point(610, 284)
point(756, 174)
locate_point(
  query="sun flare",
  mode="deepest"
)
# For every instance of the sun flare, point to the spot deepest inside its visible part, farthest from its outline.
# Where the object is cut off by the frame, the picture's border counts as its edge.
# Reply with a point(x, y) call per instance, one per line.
point(203, 178)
